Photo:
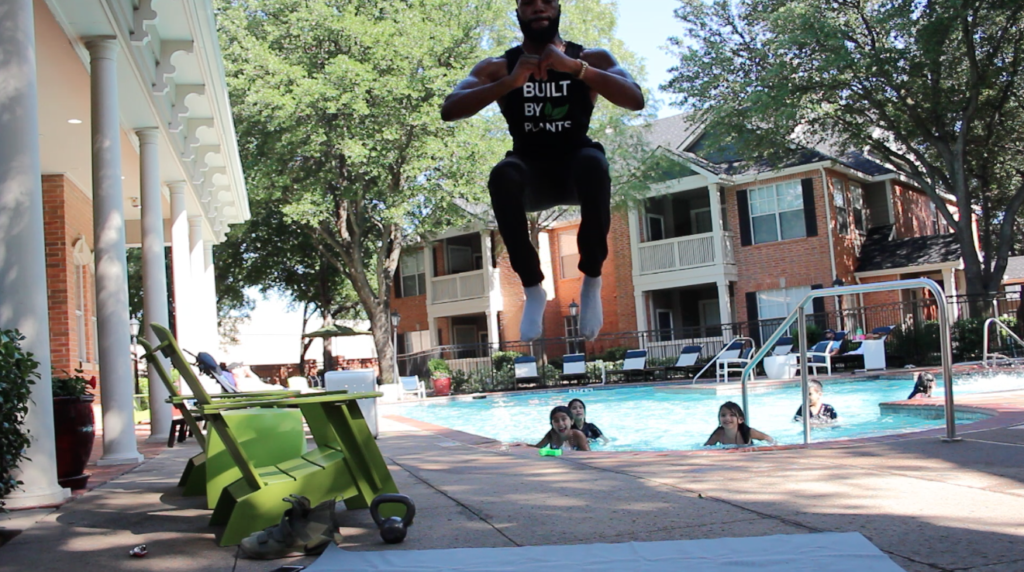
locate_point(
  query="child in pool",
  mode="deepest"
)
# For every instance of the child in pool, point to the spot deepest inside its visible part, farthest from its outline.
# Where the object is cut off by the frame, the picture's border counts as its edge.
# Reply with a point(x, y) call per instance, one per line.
point(820, 412)
point(733, 429)
point(923, 386)
point(579, 421)
point(562, 435)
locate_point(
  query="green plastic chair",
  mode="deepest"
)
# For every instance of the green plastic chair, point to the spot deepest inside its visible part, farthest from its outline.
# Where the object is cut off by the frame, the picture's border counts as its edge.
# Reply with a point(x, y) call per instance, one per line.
point(199, 478)
point(345, 463)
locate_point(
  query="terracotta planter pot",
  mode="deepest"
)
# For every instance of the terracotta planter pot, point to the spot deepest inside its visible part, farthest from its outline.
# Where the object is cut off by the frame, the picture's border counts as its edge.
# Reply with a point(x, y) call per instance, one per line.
point(442, 385)
point(75, 430)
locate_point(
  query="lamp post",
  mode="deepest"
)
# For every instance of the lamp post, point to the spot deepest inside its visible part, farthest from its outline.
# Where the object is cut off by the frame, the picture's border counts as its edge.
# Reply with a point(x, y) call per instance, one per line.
point(838, 282)
point(395, 318)
point(574, 311)
point(134, 325)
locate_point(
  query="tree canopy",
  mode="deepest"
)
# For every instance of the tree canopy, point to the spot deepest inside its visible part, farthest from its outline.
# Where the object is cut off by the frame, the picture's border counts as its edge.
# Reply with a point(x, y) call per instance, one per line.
point(931, 87)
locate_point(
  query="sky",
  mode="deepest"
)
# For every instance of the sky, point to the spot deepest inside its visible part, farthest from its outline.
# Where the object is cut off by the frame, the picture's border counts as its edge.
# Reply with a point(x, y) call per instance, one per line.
point(645, 26)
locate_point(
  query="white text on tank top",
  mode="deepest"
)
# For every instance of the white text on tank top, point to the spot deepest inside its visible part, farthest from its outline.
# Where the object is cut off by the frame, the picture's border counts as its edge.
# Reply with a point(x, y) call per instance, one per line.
point(545, 106)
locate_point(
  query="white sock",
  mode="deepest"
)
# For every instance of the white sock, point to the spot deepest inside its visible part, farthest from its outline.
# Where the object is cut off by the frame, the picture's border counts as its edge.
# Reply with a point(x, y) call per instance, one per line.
point(591, 312)
point(532, 325)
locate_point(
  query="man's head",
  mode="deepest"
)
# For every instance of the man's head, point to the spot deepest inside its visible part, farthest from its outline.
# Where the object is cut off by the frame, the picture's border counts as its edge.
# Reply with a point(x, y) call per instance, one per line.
point(539, 19)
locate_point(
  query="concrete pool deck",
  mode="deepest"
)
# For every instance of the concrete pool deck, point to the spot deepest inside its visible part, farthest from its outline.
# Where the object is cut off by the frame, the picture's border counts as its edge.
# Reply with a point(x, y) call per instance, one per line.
point(929, 505)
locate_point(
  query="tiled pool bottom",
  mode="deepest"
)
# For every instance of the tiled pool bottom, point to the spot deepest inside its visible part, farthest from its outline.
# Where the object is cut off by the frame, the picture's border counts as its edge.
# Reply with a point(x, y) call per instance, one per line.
point(651, 419)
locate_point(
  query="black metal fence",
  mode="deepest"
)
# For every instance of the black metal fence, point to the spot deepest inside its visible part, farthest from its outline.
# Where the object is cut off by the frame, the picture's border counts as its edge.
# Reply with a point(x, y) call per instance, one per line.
point(913, 340)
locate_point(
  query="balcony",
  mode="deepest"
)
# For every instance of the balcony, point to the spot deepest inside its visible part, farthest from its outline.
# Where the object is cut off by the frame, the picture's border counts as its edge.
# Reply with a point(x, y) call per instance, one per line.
point(458, 287)
point(685, 252)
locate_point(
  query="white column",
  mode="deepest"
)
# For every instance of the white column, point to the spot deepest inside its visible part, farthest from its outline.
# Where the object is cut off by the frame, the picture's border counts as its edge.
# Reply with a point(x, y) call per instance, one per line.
point(949, 283)
point(154, 274)
point(492, 327)
point(725, 308)
point(210, 298)
point(181, 267)
point(197, 321)
point(641, 312)
point(23, 303)
point(114, 333)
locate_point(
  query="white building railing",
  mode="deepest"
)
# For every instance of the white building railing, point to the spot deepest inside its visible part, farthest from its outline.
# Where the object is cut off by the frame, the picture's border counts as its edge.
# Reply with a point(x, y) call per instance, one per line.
point(456, 287)
point(685, 252)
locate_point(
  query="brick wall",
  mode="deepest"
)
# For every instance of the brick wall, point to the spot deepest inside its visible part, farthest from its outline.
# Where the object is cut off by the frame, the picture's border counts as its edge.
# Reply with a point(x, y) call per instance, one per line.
point(913, 212)
point(67, 216)
point(846, 247)
point(799, 262)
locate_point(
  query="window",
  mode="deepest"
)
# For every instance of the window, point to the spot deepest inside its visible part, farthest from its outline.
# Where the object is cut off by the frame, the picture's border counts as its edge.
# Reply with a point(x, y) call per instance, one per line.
point(655, 227)
point(414, 342)
point(860, 219)
point(777, 212)
point(777, 304)
point(842, 211)
point(460, 259)
point(573, 344)
point(80, 311)
point(414, 275)
point(569, 254)
point(700, 220)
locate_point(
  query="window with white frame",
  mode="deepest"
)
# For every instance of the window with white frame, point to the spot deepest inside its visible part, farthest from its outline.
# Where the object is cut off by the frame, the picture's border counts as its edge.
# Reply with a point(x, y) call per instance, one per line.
point(569, 254)
point(860, 216)
point(665, 328)
point(414, 275)
point(572, 326)
point(778, 304)
point(842, 210)
point(700, 220)
point(777, 212)
point(80, 312)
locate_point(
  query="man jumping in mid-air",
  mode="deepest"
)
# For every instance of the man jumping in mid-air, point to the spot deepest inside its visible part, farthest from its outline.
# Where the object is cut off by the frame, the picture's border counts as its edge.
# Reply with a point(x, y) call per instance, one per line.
point(546, 89)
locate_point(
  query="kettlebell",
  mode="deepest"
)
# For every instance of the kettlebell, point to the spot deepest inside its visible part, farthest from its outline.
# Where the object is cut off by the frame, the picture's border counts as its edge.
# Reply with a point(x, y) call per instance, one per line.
point(392, 528)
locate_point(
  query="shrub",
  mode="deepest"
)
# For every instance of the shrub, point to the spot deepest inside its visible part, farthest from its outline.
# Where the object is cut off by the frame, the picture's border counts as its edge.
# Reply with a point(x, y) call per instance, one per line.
point(438, 367)
point(18, 370)
point(612, 354)
point(503, 360)
point(68, 385)
point(967, 339)
point(915, 345)
point(814, 335)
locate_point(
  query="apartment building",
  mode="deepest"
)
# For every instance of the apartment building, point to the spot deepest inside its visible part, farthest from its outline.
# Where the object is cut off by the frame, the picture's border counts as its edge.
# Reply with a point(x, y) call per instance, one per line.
point(714, 246)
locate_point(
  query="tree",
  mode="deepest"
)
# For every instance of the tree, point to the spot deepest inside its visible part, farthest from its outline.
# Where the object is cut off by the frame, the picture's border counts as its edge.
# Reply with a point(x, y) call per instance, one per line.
point(254, 255)
point(336, 108)
point(930, 87)
point(336, 105)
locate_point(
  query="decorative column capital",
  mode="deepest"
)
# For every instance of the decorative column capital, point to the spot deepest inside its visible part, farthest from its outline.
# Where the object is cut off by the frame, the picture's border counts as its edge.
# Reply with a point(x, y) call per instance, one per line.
point(195, 221)
point(102, 47)
point(149, 135)
point(177, 187)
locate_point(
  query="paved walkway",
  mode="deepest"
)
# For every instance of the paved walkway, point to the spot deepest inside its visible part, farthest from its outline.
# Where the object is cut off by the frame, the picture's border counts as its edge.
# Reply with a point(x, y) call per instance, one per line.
point(929, 505)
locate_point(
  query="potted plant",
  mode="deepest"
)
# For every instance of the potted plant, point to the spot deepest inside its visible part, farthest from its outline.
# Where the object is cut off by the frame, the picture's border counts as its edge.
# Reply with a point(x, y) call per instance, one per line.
point(18, 372)
point(440, 376)
point(74, 428)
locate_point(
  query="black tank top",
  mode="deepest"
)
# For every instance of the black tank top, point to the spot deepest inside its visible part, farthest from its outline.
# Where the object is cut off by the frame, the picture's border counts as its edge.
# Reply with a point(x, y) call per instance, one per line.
point(548, 117)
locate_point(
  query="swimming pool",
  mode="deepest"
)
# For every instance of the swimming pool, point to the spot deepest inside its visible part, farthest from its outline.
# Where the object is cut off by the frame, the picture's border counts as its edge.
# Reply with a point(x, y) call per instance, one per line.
point(652, 419)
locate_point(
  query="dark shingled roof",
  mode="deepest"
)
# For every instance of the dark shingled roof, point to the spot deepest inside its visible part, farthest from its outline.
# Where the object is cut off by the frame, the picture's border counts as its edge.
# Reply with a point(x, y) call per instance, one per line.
point(1014, 269)
point(671, 132)
point(881, 252)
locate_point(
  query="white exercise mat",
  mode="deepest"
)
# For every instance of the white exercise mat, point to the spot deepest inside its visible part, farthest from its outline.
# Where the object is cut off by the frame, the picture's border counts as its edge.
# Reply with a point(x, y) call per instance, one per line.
point(835, 552)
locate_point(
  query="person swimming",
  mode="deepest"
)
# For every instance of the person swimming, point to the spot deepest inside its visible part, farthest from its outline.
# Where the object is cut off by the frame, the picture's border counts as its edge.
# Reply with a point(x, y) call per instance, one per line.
point(923, 386)
point(733, 428)
point(820, 412)
point(562, 435)
point(579, 421)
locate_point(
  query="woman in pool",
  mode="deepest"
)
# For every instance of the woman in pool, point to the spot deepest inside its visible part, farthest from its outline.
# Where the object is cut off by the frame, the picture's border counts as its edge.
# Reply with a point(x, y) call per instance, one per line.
point(579, 422)
point(733, 429)
point(923, 386)
point(562, 435)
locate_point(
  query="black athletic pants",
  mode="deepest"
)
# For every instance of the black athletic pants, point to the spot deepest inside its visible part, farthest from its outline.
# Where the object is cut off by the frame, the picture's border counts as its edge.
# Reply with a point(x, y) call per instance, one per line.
point(521, 184)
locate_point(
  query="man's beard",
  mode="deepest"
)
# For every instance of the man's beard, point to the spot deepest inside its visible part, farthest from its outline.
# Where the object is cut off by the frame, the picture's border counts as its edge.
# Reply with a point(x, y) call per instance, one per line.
point(541, 36)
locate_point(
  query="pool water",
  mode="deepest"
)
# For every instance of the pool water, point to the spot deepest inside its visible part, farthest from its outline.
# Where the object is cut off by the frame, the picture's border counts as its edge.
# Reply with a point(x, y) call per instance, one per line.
point(651, 419)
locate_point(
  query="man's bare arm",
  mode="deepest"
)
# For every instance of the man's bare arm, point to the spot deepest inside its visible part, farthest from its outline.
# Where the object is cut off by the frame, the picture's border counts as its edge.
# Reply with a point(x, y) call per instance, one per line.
point(486, 83)
point(611, 81)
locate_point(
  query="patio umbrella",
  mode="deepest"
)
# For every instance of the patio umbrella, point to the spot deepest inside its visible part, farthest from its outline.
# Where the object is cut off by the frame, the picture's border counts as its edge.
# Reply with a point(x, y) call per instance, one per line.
point(335, 331)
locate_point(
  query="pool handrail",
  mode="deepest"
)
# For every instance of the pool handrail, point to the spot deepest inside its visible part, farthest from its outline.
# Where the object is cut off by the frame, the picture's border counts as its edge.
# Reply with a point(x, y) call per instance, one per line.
point(988, 322)
point(799, 315)
point(724, 347)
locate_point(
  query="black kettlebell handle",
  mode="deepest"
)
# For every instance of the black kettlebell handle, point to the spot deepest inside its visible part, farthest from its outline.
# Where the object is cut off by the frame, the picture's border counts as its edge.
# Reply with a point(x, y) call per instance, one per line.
point(410, 507)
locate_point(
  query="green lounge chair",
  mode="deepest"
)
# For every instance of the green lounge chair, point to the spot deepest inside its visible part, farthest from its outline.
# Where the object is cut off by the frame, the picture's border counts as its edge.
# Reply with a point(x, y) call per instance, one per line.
point(199, 477)
point(346, 462)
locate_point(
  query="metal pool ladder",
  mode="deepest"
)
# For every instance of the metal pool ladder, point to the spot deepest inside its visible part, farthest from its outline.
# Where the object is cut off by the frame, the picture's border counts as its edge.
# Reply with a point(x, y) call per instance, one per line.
point(1003, 327)
point(799, 315)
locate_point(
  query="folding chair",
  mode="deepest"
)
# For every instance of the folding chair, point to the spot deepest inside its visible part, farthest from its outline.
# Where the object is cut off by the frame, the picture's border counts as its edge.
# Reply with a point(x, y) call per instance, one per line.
point(729, 352)
point(687, 361)
point(818, 357)
point(736, 364)
point(413, 384)
point(635, 361)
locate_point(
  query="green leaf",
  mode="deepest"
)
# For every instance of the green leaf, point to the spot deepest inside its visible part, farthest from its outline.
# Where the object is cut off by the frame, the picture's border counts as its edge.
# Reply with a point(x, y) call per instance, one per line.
point(559, 112)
